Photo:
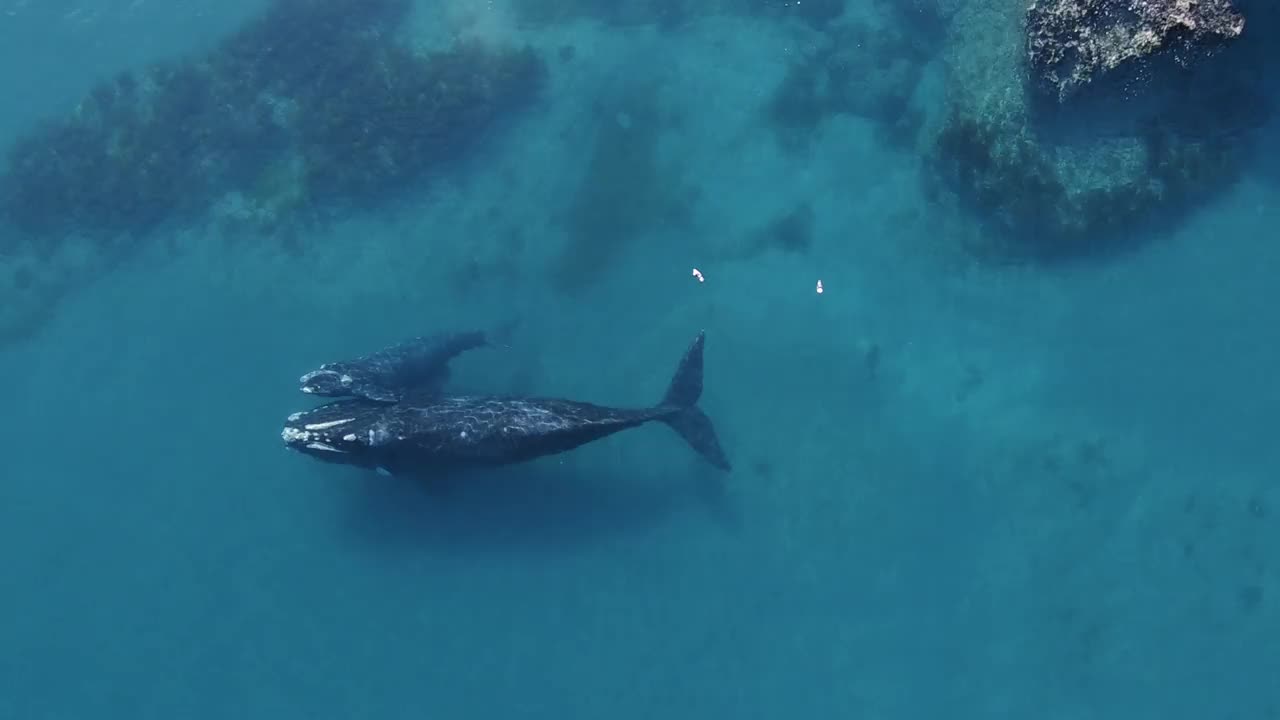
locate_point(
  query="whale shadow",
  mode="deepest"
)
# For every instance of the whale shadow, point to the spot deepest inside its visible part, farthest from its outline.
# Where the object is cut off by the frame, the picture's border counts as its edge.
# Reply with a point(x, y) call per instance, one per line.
point(540, 506)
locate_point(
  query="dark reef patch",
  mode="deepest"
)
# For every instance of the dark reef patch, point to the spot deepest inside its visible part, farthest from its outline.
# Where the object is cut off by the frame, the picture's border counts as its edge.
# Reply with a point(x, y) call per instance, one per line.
point(791, 232)
point(626, 191)
point(670, 14)
point(857, 69)
point(1053, 203)
point(309, 108)
point(663, 13)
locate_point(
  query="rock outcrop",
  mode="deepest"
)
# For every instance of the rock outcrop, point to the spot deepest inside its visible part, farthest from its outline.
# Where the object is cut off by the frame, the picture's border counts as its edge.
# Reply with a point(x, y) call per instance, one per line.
point(1052, 181)
point(1071, 43)
point(294, 111)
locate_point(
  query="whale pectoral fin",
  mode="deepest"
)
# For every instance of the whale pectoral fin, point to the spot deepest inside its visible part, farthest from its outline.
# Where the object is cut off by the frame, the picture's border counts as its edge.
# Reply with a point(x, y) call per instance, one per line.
point(502, 335)
point(448, 347)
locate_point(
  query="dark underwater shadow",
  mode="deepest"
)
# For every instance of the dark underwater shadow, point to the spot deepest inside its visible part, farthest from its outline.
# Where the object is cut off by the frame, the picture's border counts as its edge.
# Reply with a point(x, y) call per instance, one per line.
point(542, 506)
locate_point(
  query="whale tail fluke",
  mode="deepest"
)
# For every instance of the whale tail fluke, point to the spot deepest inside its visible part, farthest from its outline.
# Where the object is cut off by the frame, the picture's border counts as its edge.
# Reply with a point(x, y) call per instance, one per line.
point(682, 412)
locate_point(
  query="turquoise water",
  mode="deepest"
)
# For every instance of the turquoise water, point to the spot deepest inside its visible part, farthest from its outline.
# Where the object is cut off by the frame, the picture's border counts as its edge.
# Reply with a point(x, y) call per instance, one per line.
point(961, 488)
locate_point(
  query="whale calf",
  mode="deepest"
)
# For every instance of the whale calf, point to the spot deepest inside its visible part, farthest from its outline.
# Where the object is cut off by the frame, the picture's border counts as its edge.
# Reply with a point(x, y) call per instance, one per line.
point(418, 365)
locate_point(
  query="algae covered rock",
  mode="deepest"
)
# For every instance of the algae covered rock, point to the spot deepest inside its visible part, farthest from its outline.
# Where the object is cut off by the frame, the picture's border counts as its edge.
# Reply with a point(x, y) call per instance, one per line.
point(1070, 43)
point(1053, 180)
point(311, 107)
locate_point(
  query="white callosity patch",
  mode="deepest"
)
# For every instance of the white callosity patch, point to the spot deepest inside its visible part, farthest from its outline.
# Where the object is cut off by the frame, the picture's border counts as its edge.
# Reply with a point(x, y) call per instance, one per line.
point(328, 425)
point(294, 435)
point(311, 432)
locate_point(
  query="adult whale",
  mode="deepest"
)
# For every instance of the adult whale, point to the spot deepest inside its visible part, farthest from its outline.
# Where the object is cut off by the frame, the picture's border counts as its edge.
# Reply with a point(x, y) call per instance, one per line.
point(435, 432)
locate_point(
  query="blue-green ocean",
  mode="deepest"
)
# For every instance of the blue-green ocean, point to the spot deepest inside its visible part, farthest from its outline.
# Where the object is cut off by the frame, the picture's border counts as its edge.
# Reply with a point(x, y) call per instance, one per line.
point(996, 371)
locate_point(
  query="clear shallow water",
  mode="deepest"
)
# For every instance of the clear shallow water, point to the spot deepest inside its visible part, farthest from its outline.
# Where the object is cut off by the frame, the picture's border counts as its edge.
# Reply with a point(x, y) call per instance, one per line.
point(1054, 495)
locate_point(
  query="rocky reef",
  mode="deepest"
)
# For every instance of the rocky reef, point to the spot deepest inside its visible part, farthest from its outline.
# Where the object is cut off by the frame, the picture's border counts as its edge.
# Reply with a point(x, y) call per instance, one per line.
point(1064, 128)
point(310, 108)
point(1051, 180)
point(1070, 43)
point(1043, 201)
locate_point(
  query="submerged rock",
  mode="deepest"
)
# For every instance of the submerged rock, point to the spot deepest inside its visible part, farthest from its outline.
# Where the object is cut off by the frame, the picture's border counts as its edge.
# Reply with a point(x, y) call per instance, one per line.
point(1070, 43)
point(1051, 181)
point(293, 117)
